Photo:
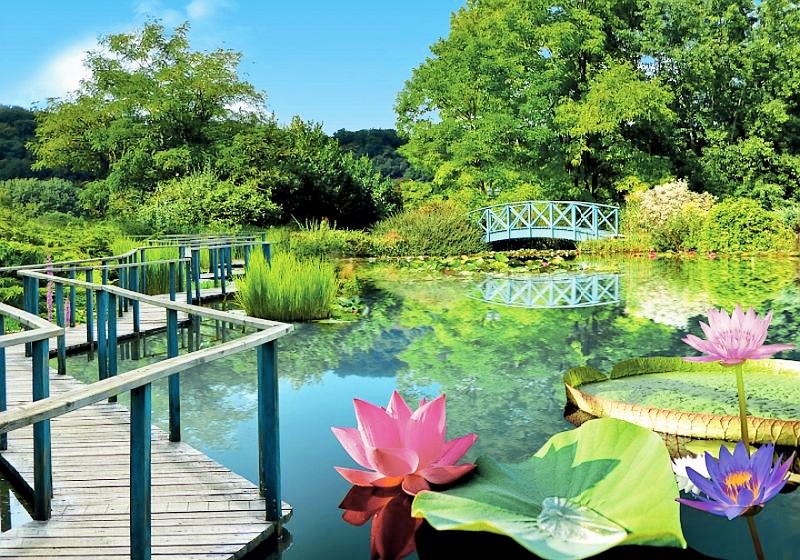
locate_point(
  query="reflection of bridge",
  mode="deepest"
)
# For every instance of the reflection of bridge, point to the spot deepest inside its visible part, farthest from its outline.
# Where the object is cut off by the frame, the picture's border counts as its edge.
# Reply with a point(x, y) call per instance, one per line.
point(574, 221)
point(562, 291)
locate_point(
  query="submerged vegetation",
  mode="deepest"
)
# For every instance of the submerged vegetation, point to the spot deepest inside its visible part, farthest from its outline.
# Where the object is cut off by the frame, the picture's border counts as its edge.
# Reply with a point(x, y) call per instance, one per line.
point(288, 289)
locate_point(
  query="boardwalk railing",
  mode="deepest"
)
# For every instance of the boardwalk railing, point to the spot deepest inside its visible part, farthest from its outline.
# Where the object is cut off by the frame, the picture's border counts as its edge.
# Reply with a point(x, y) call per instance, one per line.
point(105, 302)
point(574, 221)
point(546, 292)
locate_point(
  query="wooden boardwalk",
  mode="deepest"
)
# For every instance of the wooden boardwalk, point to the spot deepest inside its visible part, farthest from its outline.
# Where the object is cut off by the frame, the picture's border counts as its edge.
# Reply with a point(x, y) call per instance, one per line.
point(201, 510)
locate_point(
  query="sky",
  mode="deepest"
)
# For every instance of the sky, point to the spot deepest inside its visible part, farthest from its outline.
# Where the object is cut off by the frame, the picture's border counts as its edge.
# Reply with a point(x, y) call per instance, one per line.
point(340, 63)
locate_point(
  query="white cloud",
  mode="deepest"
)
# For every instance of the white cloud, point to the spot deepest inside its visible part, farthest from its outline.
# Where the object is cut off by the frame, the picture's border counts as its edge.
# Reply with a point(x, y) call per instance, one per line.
point(199, 9)
point(193, 11)
point(60, 75)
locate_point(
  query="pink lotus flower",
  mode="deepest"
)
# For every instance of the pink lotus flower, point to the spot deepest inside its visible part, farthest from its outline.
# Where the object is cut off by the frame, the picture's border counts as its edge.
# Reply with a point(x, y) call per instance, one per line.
point(731, 340)
point(403, 448)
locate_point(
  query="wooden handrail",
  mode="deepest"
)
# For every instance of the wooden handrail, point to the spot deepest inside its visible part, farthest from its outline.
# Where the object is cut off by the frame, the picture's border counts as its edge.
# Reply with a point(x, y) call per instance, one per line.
point(52, 407)
point(40, 329)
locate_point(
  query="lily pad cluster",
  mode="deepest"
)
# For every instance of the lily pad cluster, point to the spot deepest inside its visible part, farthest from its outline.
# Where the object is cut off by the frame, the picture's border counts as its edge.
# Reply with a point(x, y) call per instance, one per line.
point(520, 261)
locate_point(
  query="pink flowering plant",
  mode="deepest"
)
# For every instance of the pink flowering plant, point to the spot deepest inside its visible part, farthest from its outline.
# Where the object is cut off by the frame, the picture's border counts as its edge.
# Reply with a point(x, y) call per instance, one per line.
point(401, 447)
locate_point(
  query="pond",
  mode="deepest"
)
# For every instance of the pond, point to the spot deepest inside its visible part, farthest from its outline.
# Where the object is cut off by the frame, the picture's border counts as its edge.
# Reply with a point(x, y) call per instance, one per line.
point(498, 356)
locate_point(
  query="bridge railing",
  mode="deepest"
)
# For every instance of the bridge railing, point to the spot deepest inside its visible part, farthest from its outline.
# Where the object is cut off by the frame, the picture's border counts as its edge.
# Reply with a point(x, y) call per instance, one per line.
point(552, 219)
point(562, 291)
point(138, 382)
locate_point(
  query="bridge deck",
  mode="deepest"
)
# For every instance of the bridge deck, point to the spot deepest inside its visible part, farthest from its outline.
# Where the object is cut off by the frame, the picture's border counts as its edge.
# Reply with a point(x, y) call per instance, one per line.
point(201, 510)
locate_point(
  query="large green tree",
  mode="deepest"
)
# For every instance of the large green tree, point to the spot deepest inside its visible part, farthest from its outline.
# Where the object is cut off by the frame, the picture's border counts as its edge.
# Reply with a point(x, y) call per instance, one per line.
point(151, 109)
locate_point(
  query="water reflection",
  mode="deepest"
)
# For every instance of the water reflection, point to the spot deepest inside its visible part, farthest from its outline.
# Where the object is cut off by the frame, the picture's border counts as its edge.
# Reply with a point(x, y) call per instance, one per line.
point(12, 511)
point(550, 291)
point(500, 366)
point(388, 510)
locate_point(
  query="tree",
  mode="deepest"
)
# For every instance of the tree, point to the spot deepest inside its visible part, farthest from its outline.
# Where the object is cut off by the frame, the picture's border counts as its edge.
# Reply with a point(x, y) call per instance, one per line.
point(379, 145)
point(152, 109)
point(524, 91)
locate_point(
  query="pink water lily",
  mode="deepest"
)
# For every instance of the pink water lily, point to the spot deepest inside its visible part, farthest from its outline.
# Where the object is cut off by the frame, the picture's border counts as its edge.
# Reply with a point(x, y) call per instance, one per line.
point(401, 447)
point(731, 340)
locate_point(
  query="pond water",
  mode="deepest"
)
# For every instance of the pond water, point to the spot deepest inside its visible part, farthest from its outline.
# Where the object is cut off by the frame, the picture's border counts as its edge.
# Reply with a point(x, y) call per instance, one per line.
point(498, 356)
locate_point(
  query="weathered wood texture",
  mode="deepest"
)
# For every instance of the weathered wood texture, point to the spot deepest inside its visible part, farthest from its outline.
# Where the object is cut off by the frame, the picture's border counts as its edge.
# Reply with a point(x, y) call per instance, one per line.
point(201, 510)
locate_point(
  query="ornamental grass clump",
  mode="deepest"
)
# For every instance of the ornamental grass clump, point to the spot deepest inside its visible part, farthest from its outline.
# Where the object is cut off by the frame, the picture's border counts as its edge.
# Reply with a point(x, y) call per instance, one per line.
point(290, 289)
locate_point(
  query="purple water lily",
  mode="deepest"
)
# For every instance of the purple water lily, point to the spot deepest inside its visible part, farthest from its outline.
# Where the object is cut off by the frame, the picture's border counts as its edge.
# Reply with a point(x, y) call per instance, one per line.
point(739, 484)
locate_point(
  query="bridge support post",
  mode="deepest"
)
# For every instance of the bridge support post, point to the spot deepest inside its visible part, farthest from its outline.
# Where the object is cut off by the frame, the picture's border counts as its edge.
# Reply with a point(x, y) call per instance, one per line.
point(174, 379)
point(269, 469)
point(3, 388)
point(60, 320)
point(42, 473)
point(102, 354)
point(90, 311)
point(141, 530)
point(196, 273)
point(72, 310)
point(111, 347)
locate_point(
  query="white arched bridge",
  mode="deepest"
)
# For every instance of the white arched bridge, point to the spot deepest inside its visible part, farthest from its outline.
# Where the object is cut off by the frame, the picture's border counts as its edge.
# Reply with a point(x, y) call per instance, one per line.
point(550, 291)
point(548, 219)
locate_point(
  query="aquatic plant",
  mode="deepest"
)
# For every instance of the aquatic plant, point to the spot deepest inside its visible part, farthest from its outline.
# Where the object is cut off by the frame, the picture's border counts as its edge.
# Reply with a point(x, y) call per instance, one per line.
point(290, 289)
point(731, 340)
point(401, 447)
point(737, 483)
point(575, 498)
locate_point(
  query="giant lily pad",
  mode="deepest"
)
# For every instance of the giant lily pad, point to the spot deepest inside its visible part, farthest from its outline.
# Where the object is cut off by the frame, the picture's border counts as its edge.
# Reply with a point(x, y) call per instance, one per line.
point(696, 400)
point(586, 490)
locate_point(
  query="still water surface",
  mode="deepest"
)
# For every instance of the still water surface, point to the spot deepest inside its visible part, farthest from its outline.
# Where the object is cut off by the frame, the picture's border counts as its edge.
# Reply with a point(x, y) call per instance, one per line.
point(498, 352)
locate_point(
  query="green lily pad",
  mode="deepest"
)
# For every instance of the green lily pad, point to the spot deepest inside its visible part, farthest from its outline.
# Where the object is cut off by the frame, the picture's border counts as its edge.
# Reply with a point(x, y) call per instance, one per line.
point(586, 490)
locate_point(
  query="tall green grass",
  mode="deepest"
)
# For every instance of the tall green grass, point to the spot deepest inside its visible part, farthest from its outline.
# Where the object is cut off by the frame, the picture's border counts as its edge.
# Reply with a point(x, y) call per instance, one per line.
point(157, 275)
point(289, 290)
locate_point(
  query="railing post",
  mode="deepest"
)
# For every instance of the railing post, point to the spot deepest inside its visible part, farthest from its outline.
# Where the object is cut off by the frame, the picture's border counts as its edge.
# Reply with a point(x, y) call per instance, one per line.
point(269, 469)
point(90, 310)
point(229, 260)
point(616, 221)
point(174, 379)
point(266, 248)
point(127, 283)
point(223, 270)
point(112, 339)
point(172, 281)
point(3, 389)
point(102, 354)
point(134, 278)
point(60, 321)
point(72, 310)
point(30, 297)
point(574, 209)
point(213, 254)
point(140, 506)
point(508, 221)
point(552, 221)
point(595, 225)
point(142, 271)
point(42, 474)
point(196, 273)
point(188, 274)
point(246, 256)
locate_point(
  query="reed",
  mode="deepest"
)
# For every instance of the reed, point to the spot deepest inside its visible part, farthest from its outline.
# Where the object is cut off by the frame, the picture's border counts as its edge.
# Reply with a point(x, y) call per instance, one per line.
point(290, 290)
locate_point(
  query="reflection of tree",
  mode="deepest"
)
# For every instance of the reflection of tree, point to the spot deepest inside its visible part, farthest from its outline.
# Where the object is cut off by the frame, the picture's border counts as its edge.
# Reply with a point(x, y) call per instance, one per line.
point(502, 367)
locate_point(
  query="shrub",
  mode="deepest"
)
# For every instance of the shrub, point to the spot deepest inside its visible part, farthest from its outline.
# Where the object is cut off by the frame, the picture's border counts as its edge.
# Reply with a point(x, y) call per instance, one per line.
point(440, 229)
point(657, 205)
point(290, 290)
point(40, 196)
point(321, 239)
point(680, 232)
point(743, 225)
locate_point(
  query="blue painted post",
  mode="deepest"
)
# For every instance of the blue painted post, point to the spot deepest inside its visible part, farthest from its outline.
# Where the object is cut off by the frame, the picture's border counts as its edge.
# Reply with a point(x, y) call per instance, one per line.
point(112, 340)
point(229, 260)
point(552, 222)
point(135, 288)
point(72, 310)
point(508, 220)
point(60, 321)
point(213, 254)
point(180, 268)
point(266, 248)
point(223, 269)
point(616, 221)
point(142, 271)
point(3, 399)
point(102, 349)
point(127, 286)
point(188, 275)
point(172, 281)
point(196, 273)
point(595, 225)
point(42, 474)
point(141, 530)
point(174, 380)
point(269, 469)
point(90, 310)
point(30, 297)
point(246, 256)
point(574, 219)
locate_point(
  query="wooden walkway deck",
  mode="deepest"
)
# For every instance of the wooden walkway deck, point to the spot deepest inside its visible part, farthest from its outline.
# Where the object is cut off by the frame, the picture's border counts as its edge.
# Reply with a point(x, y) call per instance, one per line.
point(201, 510)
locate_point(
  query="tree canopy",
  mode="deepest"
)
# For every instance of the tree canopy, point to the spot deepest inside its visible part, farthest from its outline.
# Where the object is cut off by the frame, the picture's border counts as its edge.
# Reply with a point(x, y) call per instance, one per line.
point(588, 98)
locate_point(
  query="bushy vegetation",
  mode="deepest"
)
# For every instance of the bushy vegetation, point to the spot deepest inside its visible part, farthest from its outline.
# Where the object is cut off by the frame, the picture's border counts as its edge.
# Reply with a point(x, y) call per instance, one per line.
point(290, 289)
point(743, 225)
point(36, 197)
point(438, 229)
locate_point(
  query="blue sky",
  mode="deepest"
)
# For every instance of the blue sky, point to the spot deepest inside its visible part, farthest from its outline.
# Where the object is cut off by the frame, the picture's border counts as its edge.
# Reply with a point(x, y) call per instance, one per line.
point(340, 63)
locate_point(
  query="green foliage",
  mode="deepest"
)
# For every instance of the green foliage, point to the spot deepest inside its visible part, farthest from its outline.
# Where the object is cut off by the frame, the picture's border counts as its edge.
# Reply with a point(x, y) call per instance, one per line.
point(40, 196)
point(436, 229)
point(291, 289)
point(680, 232)
point(322, 240)
point(743, 225)
point(16, 129)
point(195, 202)
point(591, 469)
point(380, 146)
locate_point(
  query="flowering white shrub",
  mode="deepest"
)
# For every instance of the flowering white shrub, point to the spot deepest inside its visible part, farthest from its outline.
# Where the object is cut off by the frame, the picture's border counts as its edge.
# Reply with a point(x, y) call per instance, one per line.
point(664, 202)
